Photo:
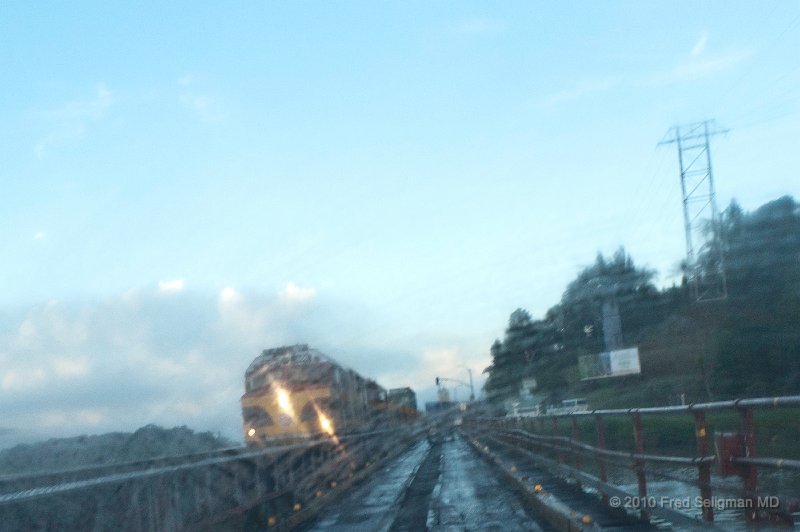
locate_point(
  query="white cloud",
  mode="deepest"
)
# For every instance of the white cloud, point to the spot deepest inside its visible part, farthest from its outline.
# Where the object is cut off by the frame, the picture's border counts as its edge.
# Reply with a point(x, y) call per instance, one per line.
point(697, 68)
point(23, 378)
point(85, 417)
point(203, 105)
point(171, 287)
point(700, 45)
point(90, 108)
point(69, 122)
point(248, 321)
point(62, 134)
point(91, 416)
point(168, 367)
point(130, 294)
point(39, 235)
point(27, 335)
point(584, 89)
point(229, 296)
point(292, 292)
point(175, 361)
point(71, 367)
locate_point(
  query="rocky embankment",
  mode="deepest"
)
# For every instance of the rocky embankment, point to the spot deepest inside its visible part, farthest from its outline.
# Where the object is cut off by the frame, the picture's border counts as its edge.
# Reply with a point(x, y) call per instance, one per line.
point(113, 448)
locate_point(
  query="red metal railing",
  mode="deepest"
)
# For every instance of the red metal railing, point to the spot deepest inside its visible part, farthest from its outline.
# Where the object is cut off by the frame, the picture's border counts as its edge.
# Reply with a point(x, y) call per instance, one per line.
point(739, 459)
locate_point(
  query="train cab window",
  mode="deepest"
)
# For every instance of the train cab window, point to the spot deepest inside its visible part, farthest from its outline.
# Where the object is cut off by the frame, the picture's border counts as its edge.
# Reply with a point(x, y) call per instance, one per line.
point(256, 416)
point(255, 382)
point(308, 413)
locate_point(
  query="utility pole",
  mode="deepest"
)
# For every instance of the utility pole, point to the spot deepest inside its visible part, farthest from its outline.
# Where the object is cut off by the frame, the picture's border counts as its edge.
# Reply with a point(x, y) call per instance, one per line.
point(699, 209)
point(440, 382)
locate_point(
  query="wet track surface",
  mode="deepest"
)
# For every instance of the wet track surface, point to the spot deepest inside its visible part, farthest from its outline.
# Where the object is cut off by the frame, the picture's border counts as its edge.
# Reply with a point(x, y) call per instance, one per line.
point(440, 487)
point(470, 497)
point(374, 504)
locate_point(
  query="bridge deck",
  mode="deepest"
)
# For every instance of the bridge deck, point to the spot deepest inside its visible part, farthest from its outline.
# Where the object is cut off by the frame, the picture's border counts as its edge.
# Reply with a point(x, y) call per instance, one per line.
point(447, 486)
point(568, 494)
point(436, 487)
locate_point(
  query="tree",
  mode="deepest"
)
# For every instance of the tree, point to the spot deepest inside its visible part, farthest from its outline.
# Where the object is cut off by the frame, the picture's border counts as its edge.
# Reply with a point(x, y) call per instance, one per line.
point(508, 357)
point(579, 315)
point(760, 336)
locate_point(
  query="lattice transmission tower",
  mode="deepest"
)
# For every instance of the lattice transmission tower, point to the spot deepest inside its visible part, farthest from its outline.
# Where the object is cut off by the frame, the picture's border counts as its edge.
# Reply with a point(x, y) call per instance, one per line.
point(705, 260)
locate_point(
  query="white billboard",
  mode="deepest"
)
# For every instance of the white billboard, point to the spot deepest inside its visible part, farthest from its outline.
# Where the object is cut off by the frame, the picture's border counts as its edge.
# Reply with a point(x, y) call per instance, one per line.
point(610, 364)
point(620, 362)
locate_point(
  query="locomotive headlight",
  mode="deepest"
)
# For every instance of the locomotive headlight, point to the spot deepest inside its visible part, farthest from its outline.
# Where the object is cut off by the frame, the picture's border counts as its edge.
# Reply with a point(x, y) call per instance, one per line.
point(284, 401)
point(325, 424)
point(251, 432)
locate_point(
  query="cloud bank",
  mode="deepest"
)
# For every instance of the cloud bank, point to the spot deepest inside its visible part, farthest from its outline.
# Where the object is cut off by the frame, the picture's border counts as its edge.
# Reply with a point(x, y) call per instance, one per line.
point(171, 356)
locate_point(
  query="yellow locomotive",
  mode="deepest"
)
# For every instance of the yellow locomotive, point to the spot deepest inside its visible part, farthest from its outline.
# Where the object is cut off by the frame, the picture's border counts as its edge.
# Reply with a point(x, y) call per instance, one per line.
point(295, 392)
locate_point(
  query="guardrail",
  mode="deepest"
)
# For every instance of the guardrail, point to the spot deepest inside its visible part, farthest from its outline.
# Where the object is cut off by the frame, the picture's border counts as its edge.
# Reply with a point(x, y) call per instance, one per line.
point(736, 453)
point(241, 487)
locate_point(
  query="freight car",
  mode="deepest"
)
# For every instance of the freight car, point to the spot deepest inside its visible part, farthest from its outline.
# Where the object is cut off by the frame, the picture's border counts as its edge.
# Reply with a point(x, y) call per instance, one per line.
point(295, 392)
point(404, 402)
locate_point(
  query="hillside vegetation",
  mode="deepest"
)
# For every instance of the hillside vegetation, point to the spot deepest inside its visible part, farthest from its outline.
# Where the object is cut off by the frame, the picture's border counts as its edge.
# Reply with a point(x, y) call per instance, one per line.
point(743, 346)
point(116, 447)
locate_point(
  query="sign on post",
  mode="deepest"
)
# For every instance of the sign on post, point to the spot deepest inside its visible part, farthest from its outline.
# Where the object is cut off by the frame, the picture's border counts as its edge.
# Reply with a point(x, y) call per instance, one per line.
point(610, 364)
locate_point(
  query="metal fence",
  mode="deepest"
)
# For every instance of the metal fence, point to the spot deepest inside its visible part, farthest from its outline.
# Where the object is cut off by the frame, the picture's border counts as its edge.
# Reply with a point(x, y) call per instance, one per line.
point(733, 453)
point(236, 488)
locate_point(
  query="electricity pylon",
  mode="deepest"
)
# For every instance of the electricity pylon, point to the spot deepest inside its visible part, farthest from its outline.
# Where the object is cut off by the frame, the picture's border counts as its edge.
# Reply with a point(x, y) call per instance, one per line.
point(701, 218)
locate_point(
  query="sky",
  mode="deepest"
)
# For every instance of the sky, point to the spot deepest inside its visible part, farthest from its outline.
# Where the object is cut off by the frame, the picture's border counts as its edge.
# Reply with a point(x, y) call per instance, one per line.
point(186, 184)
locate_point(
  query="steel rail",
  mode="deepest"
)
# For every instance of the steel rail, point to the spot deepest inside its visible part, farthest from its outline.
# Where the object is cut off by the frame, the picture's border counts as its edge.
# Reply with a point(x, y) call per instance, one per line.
point(659, 508)
point(592, 450)
point(760, 402)
point(123, 477)
point(521, 432)
point(82, 473)
point(136, 464)
point(624, 462)
point(777, 463)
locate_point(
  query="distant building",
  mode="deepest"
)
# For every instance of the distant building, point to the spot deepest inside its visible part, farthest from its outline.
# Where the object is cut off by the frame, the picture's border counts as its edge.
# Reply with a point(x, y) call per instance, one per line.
point(443, 394)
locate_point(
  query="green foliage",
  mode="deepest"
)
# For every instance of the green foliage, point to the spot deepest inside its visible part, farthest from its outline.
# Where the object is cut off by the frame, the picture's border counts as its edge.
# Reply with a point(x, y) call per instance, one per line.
point(745, 346)
point(579, 313)
point(758, 347)
point(516, 357)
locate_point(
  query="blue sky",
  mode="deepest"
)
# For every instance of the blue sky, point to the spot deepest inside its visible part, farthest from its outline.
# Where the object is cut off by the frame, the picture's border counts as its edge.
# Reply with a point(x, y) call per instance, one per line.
point(385, 180)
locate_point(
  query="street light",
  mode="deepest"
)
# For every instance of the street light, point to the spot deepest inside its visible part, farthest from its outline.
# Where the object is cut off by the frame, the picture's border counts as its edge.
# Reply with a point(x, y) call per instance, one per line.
point(462, 383)
point(471, 389)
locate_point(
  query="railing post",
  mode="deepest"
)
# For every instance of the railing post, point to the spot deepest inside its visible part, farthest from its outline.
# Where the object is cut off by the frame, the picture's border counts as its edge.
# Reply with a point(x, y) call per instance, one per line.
point(541, 433)
point(704, 469)
point(576, 455)
point(532, 430)
point(601, 460)
point(560, 452)
point(750, 472)
point(639, 463)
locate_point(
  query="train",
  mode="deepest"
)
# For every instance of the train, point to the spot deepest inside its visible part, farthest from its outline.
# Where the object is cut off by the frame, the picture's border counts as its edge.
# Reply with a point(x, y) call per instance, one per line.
point(404, 402)
point(295, 392)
